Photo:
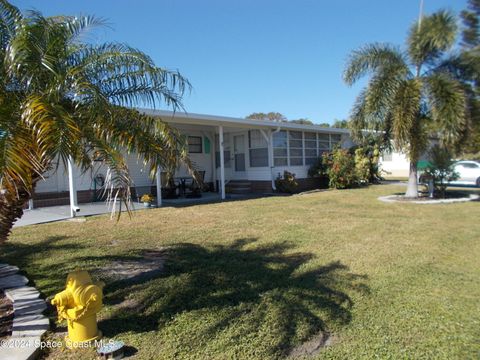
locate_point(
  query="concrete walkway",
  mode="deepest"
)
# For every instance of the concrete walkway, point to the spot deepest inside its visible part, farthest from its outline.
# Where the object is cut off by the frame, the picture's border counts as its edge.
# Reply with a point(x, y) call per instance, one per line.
point(57, 213)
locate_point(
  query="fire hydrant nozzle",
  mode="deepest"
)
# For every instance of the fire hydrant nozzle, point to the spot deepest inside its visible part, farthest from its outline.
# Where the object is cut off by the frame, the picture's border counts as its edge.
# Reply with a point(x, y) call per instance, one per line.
point(79, 304)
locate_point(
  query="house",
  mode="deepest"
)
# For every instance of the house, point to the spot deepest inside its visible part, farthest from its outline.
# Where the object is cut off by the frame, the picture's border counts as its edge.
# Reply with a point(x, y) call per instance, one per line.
point(235, 154)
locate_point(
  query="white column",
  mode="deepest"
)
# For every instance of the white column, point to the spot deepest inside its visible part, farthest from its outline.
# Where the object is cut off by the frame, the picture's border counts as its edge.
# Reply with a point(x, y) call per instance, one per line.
point(271, 162)
point(159, 186)
point(268, 136)
point(214, 165)
point(222, 162)
point(72, 189)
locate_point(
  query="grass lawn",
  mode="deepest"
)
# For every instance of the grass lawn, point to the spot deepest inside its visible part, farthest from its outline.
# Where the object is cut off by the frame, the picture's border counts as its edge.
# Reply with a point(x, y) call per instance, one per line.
point(254, 279)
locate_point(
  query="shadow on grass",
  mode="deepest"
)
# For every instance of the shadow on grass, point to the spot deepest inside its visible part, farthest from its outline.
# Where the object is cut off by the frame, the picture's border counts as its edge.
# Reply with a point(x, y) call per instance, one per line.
point(24, 255)
point(241, 287)
point(249, 295)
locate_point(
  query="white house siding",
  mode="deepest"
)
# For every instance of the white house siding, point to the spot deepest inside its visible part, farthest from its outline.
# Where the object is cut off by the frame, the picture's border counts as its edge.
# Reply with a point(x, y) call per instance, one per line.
point(394, 164)
point(201, 161)
point(265, 173)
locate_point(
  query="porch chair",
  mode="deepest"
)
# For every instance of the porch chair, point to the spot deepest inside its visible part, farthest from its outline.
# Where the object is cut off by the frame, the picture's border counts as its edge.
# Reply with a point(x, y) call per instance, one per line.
point(197, 185)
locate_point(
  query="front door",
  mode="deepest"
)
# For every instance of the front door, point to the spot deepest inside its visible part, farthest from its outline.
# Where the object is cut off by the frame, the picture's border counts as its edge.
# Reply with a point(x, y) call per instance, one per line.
point(239, 154)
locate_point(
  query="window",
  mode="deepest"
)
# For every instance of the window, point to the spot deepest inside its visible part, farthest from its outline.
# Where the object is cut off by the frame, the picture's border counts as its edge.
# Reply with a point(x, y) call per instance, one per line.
point(469, 165)
point(336, 139)
point(258, 149)
point(226, 151)
point(387, 155)
point(323, 143)
point(295, 143)
point(195, 144)
point(280, 151)
point(310, 148)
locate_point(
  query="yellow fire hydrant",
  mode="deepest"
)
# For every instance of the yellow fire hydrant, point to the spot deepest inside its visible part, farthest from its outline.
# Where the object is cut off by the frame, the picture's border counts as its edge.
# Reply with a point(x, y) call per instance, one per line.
point(79, 304)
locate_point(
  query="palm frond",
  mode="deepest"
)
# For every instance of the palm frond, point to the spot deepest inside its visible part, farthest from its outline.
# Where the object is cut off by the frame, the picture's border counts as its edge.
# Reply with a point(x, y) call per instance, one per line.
point(447, 101)
point(428, 41)
point(406, 111)
point(10, 18)
point(374, 58)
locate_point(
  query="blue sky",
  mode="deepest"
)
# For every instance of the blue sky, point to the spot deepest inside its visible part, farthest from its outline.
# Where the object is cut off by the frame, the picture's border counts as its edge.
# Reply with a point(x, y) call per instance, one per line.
point(245, 56)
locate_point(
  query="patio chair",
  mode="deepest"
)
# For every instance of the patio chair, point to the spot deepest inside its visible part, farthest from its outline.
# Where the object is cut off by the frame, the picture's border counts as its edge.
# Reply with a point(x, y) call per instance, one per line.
point(196, 186)
point(169, 188)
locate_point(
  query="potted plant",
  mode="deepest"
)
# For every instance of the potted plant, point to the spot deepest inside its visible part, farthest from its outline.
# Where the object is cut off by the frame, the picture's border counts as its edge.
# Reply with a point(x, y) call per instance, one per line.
point(147, 200)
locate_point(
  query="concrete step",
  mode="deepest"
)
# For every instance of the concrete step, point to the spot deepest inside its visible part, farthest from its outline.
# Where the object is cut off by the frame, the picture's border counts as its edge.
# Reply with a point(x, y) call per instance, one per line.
point(240, 183)
point(239, 190)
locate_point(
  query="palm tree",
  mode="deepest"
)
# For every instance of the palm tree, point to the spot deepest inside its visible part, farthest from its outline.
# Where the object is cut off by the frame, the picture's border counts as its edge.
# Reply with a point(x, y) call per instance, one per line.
point(408, 96)
point(64, 99)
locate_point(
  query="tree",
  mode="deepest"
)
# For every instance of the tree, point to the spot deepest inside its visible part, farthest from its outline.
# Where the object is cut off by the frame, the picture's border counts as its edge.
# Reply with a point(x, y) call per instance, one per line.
point(271, 116)
point(465, 66)
point(62, 98)
point(302, 121)
point(408, 95)
point(340, 124)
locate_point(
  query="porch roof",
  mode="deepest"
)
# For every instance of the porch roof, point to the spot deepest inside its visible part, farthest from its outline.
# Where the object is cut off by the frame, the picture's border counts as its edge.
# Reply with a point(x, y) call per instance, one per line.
point(214, 120)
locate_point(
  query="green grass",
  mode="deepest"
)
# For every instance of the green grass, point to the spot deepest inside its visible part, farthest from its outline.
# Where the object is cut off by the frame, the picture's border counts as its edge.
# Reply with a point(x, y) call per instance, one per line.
point(253, 279)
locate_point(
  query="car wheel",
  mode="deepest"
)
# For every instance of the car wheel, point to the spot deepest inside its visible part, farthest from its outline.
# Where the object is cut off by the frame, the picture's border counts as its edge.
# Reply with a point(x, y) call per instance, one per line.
point(478, 182)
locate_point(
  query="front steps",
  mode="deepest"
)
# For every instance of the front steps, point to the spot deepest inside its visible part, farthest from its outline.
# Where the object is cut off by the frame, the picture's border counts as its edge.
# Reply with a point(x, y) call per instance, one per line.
point(238, 187)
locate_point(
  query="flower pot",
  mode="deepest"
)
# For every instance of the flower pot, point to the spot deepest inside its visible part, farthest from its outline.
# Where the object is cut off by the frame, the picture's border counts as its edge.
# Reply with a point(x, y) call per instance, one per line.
point(146, 204)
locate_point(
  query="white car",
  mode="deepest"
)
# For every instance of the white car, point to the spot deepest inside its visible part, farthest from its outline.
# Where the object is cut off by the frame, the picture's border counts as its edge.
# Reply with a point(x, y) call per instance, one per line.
point(469, 172)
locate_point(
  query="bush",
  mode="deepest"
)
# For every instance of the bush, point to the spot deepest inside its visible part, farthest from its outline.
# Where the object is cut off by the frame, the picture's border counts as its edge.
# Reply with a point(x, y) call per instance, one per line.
point(287, 184)
point(317, 169)
point(440, 169)
point(346, 168)
point(340, 168)
point(362, 166)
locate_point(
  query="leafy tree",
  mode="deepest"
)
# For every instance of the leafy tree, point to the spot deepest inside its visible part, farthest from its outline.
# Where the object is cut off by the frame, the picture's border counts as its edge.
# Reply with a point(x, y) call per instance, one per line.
point(408, 96)
point(340, 124)
point(302, 121)
point(61, 98)
point(271, 116)
point(441, 168)
point(325, 125)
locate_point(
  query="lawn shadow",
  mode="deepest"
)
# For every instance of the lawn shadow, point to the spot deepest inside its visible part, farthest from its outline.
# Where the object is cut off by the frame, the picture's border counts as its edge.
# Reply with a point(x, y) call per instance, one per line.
point(243, 285)
point(23, 254)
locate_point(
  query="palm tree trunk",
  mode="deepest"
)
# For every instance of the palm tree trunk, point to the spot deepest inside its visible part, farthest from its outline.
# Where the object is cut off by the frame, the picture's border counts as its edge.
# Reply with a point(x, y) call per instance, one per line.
point(11, 209)
point(412, 187)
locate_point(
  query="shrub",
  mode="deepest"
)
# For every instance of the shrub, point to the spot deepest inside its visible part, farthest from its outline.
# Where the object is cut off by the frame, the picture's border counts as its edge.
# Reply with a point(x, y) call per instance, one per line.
point(317, 169)
point(362, 166)
point(287, 184)
point(440, 169)
point(340, 168)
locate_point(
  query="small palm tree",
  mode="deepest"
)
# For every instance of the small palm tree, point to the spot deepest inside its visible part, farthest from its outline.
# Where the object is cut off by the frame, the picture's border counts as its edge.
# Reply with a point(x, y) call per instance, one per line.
point(62, 99)
point(408, 97)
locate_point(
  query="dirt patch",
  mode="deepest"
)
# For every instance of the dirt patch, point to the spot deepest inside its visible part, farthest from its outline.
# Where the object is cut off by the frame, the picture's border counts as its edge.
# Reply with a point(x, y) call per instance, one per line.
point(312, 346)
point(151, 262)
point(6, 316)
point(129, 304)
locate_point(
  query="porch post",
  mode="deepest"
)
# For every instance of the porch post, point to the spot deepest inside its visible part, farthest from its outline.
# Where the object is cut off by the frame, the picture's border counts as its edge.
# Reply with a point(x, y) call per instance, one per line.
point(270, 158)
point(72, 189)
point(222, 162)
point(214, 164)
point(268, 136)
point(159, 186)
